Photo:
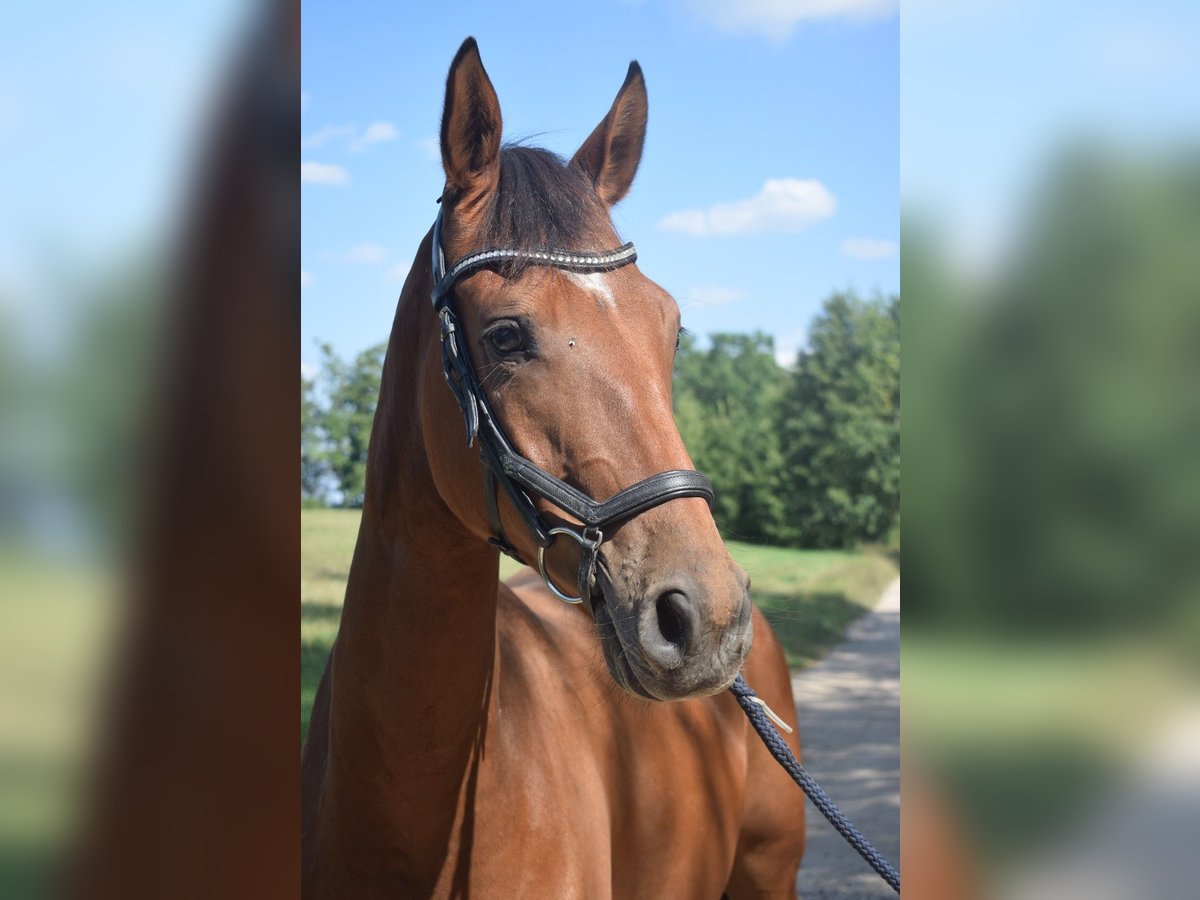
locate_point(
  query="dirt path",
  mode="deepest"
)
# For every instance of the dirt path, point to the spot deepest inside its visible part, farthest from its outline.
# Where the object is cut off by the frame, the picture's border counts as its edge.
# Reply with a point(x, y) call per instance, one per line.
point(849, 712)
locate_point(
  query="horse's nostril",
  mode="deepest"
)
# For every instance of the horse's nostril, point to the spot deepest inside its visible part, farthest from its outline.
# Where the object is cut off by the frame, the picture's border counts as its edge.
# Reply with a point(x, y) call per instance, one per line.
point(672, 620)
point(666, 629)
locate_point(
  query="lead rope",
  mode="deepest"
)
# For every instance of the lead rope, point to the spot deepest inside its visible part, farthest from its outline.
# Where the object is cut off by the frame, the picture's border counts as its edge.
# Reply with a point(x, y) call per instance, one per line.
point(756, 711)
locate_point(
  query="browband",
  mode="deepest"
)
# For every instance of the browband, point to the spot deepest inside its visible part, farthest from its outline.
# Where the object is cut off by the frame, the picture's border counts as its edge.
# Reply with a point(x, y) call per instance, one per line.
point(574, 261)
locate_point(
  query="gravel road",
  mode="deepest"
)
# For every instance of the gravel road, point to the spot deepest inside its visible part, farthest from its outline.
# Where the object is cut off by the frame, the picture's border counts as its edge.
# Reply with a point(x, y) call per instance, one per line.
point(848, 707)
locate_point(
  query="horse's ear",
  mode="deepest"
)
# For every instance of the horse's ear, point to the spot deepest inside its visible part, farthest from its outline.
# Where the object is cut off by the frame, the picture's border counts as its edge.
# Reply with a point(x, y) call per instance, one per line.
point(470, 126)
point(610, 155)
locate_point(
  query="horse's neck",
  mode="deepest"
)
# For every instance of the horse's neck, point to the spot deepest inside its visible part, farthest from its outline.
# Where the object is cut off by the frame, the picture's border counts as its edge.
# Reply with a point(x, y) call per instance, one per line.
point(413, 665)
point(417, 639)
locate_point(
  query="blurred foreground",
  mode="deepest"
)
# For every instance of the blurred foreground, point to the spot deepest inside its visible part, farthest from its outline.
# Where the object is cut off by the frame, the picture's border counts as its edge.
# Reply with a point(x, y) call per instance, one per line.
point(1052, 469)
point(148, 333)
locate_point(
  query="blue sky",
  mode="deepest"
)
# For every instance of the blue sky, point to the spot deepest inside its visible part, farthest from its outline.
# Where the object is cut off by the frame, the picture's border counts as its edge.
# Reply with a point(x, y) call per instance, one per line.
point(993, 89)
point(102, 109)
point(770, 176)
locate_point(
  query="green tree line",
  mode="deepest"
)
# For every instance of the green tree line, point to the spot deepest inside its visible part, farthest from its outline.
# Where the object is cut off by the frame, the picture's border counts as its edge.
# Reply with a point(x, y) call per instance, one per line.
point(807, 455)
point(1053, 431)
point(337, 407)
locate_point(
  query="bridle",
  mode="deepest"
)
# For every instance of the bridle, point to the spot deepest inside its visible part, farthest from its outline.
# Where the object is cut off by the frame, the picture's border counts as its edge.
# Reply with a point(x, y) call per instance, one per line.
point(503, 467)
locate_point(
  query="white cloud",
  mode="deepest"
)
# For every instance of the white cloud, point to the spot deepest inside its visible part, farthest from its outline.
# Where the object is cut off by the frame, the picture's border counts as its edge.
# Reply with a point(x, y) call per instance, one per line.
point(714, 295)
point(322, 173)
point(788, 347)
point(325, 135)
point(397, 273)
point(869, 248)
point(777, 19)
point(308, 370)
point(783, 204)
point(368, 253)
point(376, 133)
point(306, 278)
point(432, 147)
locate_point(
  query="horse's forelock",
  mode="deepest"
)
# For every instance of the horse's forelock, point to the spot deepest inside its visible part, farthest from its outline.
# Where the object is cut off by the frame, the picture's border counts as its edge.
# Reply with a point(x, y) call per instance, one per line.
point(542, 202)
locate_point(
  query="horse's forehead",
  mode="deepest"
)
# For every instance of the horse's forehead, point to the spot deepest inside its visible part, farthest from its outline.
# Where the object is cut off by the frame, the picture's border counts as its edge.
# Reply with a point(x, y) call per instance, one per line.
point(595, 283)
point(623, 299)
point(548, 285)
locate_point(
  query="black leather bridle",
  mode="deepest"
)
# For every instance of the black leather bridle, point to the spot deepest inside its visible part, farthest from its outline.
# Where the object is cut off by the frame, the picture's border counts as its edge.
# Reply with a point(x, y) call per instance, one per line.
point(503, 467)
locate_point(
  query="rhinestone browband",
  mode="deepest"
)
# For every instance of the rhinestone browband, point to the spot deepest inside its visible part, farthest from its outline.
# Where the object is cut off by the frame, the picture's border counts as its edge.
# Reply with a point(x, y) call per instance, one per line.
point(577, 261)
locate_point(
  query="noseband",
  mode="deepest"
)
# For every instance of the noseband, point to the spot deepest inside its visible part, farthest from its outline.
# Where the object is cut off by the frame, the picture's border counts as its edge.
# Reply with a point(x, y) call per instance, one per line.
point(507, 470)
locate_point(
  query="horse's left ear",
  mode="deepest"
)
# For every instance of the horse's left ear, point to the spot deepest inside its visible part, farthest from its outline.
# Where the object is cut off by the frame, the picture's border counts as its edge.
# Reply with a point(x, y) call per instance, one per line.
point(610, 155)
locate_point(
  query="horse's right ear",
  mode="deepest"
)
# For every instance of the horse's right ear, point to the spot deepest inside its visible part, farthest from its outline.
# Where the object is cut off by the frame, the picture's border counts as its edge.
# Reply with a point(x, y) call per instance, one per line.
point(470, 128)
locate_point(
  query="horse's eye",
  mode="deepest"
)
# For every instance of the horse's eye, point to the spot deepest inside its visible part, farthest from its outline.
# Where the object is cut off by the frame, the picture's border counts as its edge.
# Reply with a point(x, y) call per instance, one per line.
point(506, 338)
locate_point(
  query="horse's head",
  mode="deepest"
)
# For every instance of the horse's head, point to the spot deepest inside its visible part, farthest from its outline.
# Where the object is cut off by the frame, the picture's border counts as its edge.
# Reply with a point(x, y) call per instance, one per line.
point(577, 369)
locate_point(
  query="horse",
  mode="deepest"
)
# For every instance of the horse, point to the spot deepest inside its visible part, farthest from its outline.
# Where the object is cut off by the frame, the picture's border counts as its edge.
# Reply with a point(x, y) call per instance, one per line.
point(476, 738)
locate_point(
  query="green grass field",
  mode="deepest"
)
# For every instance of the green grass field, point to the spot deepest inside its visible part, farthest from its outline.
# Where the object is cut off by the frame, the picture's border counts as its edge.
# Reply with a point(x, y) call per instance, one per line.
point(810, 596)
point(57, 623)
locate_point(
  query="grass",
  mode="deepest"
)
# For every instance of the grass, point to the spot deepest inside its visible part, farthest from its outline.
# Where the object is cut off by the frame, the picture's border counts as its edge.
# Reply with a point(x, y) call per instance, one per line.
point(1028, 737)
point(57, 623)
point(809, 596)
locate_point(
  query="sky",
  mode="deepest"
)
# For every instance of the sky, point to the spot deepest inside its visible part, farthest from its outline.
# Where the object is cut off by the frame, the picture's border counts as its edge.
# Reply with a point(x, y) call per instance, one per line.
point(102, 110)
point(769, 179)
point(992, 90)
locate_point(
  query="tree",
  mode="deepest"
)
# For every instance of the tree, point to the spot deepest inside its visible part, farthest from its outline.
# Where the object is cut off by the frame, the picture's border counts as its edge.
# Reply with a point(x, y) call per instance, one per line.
point(1073, 407)
point(841, 425)
point(726, 401)
point(351, 393)
point(313, 471)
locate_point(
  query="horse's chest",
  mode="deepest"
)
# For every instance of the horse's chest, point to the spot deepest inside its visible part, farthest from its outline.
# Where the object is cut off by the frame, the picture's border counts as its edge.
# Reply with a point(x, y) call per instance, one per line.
point(643, 801)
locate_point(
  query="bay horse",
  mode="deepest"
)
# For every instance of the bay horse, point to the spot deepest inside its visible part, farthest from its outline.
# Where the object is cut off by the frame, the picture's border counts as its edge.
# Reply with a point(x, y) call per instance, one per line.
point(475, 738)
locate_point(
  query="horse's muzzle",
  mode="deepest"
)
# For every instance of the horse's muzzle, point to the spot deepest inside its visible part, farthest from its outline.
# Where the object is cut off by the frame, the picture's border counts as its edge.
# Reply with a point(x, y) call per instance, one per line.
point(668, 647)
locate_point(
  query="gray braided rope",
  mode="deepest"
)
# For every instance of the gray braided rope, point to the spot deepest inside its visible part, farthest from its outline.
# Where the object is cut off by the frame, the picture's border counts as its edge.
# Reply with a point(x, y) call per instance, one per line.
point(784, 756)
